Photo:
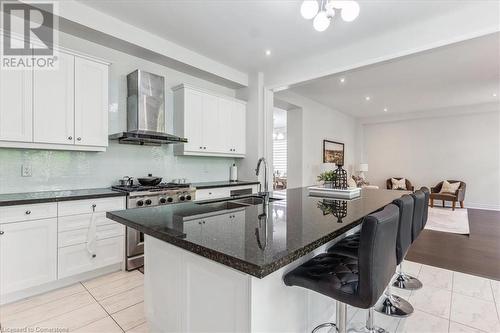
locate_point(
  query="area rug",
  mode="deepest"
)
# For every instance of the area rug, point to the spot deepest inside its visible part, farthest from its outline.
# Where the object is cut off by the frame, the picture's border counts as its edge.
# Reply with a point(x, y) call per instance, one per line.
point(447, 220)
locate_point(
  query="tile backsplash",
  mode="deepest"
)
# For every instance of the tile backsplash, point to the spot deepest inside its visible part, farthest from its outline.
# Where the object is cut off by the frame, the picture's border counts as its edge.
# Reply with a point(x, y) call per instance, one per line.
point(61, 170)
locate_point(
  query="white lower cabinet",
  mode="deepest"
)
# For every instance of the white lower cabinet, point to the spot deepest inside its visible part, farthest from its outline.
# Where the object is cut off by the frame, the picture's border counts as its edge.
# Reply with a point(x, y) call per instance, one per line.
point(224, 192)
point(47, 242)
point(28, 254)
point(78, 259)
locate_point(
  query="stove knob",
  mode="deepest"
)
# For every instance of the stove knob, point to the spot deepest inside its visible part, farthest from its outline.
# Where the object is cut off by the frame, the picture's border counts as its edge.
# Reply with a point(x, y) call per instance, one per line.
point(181, 198)
point(188, 197)
point(169, 199)
point(140, 203)
point(148, 202)
point(163, 201)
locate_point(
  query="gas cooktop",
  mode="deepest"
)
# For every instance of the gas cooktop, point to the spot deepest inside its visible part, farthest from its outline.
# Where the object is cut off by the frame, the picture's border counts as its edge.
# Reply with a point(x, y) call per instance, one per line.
point(157, 188)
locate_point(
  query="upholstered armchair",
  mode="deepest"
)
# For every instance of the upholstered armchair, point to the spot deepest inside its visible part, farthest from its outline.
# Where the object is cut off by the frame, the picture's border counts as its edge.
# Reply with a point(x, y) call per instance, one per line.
point(459, 194)
point(409, 186)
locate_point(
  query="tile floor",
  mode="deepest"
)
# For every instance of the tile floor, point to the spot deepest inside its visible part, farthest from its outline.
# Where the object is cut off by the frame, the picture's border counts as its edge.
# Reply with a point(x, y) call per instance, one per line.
point(107, 304)
point(448, 302)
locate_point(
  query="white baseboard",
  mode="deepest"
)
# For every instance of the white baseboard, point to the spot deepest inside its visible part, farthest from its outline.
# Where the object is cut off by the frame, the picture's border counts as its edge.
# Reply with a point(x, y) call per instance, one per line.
point(18, 295)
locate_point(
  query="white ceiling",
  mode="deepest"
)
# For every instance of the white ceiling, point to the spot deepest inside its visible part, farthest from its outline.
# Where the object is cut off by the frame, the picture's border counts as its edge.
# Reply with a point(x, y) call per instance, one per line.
point(464, 73)
point(237, 32)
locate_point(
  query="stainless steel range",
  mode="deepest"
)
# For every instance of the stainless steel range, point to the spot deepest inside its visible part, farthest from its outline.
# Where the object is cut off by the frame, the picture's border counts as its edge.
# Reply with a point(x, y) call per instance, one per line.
point(149, 196)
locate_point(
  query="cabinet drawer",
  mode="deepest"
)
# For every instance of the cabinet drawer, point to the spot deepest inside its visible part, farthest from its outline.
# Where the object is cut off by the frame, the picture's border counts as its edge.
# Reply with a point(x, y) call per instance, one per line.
point(82, 221)
point(27, 212)
point(212, 193)
point(79, 236)
point(76, 259)
point(85, 206)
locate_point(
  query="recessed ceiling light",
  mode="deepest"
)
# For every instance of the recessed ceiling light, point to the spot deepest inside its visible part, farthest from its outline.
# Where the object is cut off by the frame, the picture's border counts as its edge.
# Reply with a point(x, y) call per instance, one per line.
point(494, 95)
point(342, 80)
point(367, 98)
point(268, 52)
point(385, 109)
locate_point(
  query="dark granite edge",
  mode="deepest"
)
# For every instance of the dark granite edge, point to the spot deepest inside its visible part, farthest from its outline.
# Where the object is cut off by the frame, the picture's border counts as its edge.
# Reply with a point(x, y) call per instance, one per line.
point(230, 261)
point(299, 253)
point(178, 241)
point(200, 186)
point(17, 202)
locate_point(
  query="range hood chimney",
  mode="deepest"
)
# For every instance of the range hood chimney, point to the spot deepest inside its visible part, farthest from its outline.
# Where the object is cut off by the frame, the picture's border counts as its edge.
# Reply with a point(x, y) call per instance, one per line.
point(146, 111)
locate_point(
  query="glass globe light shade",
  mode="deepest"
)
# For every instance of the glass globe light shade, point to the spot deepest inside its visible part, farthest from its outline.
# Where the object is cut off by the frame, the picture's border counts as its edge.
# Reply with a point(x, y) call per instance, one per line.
point(309, 9)
point(350, 11)
point(321, 21)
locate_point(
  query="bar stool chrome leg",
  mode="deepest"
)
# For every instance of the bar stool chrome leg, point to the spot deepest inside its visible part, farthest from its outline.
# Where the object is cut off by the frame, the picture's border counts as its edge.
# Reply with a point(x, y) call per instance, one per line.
point(340, 317)
point(369, 327)
point(394, 306)
point(405, 281)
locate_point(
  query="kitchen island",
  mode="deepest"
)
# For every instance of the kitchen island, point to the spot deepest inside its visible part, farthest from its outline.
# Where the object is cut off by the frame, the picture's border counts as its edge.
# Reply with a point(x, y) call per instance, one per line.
point(218, 266)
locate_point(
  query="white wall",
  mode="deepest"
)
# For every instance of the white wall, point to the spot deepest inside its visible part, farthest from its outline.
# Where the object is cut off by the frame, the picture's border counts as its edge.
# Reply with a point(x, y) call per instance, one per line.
point(318, 123)
point(428, 150)
point(71, 170)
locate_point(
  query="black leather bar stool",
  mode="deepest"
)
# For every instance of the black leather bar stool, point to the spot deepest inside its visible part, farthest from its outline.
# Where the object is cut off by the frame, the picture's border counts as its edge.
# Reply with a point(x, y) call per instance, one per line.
point(393, 305)
point(403, 280)
point(359, 281)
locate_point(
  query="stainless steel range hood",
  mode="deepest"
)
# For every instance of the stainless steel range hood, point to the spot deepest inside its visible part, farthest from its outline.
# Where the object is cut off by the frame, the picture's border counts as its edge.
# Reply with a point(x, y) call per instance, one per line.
point(146, 111)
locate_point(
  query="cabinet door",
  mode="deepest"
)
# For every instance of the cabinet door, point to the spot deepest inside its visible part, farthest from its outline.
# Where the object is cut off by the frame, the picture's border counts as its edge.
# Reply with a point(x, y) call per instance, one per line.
point(91, 103)
point(53, 102)
point(76, 259)
point(225, 125)
point(28, 254)
point(193, 122)
point(211, 129)
point(238, 128)
point(16, 113)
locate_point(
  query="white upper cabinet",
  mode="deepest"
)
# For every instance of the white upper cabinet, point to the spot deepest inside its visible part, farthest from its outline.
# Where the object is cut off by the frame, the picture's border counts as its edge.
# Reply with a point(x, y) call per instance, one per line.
point(213, 124)
point(53, 103)
point(63, 108)
point(238, 128)
point(16, 113)
point(91, 103)
point(191, 103)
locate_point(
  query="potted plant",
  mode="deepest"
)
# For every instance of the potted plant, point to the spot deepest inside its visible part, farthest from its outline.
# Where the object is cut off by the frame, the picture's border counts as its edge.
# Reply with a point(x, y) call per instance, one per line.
point(328, 178)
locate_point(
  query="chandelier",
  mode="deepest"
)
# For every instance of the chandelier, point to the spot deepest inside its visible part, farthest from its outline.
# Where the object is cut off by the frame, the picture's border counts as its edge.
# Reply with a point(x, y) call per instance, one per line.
point(324, 10)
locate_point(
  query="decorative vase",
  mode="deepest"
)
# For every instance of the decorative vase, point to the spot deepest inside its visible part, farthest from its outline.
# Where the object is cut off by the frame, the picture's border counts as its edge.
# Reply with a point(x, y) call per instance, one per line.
point(328, 184)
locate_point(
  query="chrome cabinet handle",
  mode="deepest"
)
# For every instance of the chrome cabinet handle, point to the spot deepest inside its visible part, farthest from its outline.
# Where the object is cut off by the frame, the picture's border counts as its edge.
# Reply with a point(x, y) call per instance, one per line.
point(70, 138)
point(1, 232)
point(79, 139)
point(201, 147)
point(94, 255)
point(28, 212)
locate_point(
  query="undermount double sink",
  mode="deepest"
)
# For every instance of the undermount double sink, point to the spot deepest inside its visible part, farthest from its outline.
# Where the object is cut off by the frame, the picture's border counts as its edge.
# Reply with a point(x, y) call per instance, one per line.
point(239, 202)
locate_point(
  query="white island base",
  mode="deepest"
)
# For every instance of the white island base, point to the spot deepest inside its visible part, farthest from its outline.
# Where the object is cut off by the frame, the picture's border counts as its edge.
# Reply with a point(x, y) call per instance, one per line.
point(185, 292)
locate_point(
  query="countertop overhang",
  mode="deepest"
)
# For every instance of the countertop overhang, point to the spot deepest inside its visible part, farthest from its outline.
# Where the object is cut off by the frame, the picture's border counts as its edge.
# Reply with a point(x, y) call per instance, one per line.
point(256, 239)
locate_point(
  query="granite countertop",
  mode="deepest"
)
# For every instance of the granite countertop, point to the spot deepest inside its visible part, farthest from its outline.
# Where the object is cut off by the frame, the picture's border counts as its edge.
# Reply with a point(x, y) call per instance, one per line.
point(223, 183)
point(242, 238)
point(54, 196)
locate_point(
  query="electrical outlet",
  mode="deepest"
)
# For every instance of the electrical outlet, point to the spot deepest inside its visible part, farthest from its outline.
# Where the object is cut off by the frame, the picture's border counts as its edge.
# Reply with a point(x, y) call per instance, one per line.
point(26, 170)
